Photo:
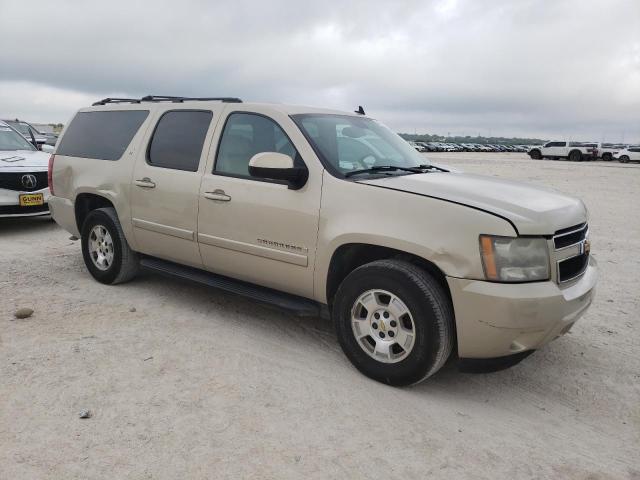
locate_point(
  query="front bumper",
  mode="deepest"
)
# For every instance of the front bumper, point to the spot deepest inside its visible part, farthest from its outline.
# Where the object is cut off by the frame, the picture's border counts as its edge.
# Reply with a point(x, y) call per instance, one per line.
point(500, 319)
point(10, 204)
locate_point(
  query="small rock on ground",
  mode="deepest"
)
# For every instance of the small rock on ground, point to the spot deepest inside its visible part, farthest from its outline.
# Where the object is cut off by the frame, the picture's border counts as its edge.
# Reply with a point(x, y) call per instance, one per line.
point(23, 313)
point(85, 414)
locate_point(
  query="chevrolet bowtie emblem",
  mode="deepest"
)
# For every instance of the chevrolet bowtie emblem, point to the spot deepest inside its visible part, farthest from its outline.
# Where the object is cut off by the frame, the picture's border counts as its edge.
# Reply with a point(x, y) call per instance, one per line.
point(383, 327)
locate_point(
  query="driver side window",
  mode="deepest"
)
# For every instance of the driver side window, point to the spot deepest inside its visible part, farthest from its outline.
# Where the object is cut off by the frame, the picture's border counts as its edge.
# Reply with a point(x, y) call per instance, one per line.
point(246, 134)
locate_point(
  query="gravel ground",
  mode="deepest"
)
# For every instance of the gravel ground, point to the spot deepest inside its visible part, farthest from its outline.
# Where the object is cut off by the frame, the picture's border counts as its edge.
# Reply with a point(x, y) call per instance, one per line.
point(199, 384)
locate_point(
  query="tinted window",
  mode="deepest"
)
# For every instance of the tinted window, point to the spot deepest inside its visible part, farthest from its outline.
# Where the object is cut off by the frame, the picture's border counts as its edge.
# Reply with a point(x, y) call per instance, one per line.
point(178, 139)
point(101, 135)
point(246, 134)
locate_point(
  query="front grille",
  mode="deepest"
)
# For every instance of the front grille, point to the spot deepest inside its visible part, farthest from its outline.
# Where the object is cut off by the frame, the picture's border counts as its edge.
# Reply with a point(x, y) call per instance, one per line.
point(571, 251)
point(572, 267)
point(570, 236)
point(18, 210)
point(15, 181)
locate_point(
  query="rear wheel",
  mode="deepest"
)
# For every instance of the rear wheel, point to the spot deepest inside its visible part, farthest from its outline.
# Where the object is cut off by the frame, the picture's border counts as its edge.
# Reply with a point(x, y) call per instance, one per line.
point(624, 159)
point(105, 250)
point(575, 156)
point(394, 322)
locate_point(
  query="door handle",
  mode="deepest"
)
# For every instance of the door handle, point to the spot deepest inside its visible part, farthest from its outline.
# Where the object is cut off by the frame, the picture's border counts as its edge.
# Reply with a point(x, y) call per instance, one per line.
point(145, 183)
point(218, 195)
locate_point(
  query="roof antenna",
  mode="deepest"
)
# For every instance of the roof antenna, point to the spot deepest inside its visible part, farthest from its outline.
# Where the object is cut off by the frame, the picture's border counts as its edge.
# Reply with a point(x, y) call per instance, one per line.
point(360, 110)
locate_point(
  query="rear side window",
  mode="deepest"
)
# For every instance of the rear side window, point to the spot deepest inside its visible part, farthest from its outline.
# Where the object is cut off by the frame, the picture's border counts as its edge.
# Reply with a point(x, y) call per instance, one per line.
point(178, 139)
point(101, 135)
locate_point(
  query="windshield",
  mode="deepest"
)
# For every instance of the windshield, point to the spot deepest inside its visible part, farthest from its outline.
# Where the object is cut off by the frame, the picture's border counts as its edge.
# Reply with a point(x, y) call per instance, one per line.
point(12, 140)
point(21, 127)
point(350, 144)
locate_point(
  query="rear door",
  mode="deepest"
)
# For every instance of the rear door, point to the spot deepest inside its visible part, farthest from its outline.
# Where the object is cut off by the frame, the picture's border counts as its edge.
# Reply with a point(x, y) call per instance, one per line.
point(166, 184)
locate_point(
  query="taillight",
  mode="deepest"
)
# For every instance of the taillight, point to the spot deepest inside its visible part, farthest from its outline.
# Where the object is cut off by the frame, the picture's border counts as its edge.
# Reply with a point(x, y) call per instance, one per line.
point(50, 174)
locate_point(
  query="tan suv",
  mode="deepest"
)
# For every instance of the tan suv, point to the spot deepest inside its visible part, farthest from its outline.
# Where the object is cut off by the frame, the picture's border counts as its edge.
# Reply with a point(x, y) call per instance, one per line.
point(324, 211)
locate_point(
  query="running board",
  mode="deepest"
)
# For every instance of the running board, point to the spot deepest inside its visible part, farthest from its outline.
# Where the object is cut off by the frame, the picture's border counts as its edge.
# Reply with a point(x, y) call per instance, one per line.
point(300, 306)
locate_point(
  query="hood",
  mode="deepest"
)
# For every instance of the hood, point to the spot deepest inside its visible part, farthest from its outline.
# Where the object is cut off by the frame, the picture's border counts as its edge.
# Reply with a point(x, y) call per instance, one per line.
point(23, 160)
point(532, 210)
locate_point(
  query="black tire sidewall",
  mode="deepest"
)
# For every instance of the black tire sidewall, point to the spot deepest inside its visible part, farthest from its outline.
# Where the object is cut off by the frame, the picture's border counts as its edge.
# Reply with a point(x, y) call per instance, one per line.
point(97, 217)
point(423, 355)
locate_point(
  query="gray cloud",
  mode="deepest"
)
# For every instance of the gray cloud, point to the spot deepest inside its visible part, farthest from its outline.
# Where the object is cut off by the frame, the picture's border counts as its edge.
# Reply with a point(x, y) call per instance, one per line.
point(549, 69)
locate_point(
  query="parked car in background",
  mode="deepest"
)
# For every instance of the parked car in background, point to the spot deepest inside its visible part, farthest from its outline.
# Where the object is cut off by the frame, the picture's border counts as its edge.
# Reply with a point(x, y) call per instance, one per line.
point(29, 131)
point(23, 176)
point(424, 145)
point(629, 154)
point(574, 151)
point(606, 151)
point(417, 146)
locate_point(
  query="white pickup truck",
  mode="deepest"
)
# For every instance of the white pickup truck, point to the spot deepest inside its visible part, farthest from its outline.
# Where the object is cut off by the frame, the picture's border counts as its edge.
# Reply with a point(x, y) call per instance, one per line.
point(574, 151)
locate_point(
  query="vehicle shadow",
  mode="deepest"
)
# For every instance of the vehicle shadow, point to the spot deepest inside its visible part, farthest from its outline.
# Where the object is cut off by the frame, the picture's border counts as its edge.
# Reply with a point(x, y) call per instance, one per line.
point(20, 225)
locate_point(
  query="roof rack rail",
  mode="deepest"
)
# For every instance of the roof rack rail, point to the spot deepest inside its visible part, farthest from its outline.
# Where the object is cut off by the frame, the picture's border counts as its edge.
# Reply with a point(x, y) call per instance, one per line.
point(104, 101)
point(166, 98)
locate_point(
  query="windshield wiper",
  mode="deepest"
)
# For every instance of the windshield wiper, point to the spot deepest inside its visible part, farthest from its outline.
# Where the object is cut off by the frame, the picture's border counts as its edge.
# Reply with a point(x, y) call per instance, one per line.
point(388, 168)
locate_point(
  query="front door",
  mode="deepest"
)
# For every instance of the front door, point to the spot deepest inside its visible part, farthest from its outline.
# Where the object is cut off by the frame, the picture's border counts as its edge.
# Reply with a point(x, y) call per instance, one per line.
point(166, 185)
point(256, 230)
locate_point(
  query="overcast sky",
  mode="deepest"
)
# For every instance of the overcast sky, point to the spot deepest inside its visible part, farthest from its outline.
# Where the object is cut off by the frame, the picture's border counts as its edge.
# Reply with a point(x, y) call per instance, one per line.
point(550, 69)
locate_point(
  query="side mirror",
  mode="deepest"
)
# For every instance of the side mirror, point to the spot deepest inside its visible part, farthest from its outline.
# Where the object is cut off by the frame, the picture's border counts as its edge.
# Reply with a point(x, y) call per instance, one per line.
point(278, 166)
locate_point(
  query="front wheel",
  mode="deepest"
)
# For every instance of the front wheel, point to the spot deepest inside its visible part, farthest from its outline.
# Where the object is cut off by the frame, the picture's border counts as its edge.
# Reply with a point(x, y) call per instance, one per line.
point(535, 155)
point(394, 322)
point(607, 157)
point(624, 159)
point(105, 249)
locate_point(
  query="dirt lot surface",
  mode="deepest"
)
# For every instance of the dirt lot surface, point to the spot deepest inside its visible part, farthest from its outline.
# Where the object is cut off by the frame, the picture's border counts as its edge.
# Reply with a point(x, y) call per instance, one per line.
point(199, 384)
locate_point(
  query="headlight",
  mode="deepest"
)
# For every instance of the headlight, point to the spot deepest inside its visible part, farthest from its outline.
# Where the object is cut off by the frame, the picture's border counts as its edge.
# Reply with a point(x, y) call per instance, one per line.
point(522, 259)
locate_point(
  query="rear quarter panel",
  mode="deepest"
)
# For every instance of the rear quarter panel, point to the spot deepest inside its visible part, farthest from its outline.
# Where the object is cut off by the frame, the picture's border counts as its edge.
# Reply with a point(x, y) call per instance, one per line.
point(110, 179)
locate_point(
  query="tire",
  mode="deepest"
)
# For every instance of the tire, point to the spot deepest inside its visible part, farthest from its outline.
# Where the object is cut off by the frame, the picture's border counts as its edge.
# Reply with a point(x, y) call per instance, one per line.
point(624, 159)
point(607, 157)
point(575, 156)
point(123, 264)
point(535, 154)
point(429, 313)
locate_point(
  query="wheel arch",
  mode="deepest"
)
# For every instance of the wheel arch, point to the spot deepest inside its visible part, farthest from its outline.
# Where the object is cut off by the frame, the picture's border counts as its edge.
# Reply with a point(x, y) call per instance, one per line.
point(349, 256)
point(571, 152)
point(85, 203)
